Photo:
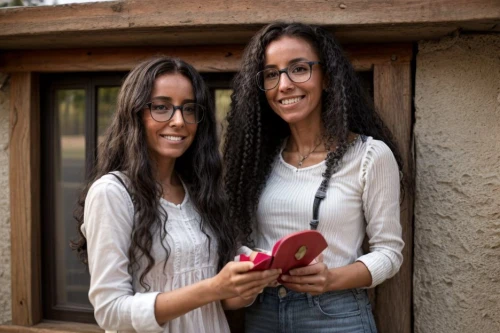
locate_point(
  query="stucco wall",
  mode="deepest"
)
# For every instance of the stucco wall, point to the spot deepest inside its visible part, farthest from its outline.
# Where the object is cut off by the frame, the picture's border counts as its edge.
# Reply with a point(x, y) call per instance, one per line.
point(5, 309)
point(457, 212)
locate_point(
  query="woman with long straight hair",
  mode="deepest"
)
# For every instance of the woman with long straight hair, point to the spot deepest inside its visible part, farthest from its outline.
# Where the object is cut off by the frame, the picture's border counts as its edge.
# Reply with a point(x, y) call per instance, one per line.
point(305, 149)
point(151, 216)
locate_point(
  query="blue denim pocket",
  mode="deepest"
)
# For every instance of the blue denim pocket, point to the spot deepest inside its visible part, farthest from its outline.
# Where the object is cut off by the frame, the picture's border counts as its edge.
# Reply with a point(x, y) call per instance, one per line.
point(338, 304)
point(371, 319)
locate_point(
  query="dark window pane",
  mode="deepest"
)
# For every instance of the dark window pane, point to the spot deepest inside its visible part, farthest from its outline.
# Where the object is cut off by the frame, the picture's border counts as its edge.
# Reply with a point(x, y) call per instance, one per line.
point(106, 104)
point(72, 279)
point(222, 104)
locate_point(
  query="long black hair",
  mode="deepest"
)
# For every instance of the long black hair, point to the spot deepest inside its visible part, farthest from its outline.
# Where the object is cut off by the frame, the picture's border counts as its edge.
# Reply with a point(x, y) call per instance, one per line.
point(125, 149)
point(255, 133)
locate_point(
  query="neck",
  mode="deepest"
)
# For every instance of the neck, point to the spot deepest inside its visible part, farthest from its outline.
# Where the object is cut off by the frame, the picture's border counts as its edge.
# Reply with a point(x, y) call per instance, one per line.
point(304, 138)
point(165, 172)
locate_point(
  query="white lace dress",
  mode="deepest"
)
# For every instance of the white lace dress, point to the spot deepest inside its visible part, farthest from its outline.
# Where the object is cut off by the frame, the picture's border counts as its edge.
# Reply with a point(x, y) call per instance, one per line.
point(121, 304)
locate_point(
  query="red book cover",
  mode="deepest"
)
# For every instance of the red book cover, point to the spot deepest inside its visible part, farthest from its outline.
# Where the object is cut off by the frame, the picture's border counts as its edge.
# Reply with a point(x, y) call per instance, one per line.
point(295, 250)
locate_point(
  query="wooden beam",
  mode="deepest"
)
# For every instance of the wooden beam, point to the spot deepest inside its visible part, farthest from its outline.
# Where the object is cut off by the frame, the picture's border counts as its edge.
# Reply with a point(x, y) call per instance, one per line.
point(196, 22)
point(168, 14)
point(223, 58)
point(24, 174)
point(393, 96)
point(206, 59)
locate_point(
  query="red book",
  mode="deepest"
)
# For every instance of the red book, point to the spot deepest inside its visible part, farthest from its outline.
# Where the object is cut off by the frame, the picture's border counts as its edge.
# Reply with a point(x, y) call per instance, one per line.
point(295, 250)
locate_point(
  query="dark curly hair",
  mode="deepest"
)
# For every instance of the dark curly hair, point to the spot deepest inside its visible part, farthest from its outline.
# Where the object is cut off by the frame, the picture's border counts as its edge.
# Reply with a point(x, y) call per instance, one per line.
point(125, 149)
point(255, 133)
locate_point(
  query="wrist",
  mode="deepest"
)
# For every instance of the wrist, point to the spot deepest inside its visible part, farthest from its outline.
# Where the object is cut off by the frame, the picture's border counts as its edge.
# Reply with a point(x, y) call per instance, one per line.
point(212, 289)
point(331, 280)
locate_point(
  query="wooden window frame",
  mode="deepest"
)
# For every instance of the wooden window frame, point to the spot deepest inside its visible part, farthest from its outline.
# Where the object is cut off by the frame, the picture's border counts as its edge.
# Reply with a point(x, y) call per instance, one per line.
point(48, 86)
point(392, 75)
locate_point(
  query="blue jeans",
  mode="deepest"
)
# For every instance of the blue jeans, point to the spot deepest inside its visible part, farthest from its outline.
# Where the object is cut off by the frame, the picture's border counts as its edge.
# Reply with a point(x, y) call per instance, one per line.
point(283, 310)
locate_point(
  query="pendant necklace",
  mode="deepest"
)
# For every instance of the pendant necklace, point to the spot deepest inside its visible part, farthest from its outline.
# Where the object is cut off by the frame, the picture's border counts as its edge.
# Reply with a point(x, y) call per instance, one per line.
point(303, 158)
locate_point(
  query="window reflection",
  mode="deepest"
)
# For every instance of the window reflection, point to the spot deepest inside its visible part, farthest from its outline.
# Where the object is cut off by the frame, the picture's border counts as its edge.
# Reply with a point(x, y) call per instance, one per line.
point(222, 104)
point(106, 104)
point(69, 170)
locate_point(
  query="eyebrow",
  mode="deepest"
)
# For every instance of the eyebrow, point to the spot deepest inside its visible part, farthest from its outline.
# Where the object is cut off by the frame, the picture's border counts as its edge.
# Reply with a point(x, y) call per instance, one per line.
point(294, 60)
point(169, 99)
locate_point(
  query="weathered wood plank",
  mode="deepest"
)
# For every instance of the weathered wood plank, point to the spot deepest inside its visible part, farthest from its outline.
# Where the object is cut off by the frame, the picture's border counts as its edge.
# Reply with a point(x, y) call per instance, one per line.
point(214, 36)
point(198, 22)
point(206, 59)
point(223, 58)
point(24, 174)
point(137, 14)
point(392, 95)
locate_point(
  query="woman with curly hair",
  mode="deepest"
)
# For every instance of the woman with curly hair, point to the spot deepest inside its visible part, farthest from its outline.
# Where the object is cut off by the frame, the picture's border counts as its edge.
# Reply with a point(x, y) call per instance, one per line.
point(305, 149)
point(151, 217)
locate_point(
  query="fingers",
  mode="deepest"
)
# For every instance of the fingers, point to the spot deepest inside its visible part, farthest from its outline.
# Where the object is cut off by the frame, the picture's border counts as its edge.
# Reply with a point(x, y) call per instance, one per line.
point(252, 282)
point(304, 288)
point(317, 259)
point(273, 284)
point(308, 270)
point(306, 279)
point(260, 283)
point(240, 267)
point(255, 287)
point(253, 255)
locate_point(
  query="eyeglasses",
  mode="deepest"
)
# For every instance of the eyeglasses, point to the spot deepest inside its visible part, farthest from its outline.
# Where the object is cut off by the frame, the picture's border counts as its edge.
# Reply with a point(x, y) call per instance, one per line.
point(297, 72)
point(192, 113)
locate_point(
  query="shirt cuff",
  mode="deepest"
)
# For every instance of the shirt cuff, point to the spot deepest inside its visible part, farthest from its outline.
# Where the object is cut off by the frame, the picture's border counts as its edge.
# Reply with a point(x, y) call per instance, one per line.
point(244, 250)
point(377, 268)
point(143, 313)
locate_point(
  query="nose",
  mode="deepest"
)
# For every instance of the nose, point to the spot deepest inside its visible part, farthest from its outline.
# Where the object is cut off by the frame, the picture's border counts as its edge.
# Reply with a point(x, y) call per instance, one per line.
point(176, 120)
point(285, 83)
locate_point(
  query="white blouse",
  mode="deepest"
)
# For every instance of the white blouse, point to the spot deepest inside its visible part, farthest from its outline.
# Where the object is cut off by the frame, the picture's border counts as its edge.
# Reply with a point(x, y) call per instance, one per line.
point(120, 303)
point(362, 198)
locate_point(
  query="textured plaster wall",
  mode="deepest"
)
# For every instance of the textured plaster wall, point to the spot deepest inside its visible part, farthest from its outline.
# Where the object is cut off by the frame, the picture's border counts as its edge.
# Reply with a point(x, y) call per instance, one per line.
point(5, 308)
point(457, 213)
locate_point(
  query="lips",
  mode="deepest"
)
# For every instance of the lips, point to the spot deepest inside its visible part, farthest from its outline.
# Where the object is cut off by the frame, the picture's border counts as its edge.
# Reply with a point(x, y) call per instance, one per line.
point(291, 100)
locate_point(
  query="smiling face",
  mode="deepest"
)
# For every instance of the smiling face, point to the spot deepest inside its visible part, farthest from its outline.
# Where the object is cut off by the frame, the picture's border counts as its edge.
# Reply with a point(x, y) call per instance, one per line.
point(169, 140)
point(294, 102)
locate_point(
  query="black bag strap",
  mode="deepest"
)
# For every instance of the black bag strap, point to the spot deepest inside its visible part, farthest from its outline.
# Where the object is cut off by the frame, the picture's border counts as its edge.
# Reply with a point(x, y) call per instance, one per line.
point(318, 197)
point(321, 194)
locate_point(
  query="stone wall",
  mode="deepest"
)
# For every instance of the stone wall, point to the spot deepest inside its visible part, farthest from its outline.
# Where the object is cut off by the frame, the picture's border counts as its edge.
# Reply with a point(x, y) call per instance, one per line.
point(457, 208)
point(5, 308)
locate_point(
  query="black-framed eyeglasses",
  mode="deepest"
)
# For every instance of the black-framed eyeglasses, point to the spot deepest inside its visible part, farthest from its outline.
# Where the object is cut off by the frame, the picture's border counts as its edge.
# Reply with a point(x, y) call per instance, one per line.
point(162, 111)
point(297, 72)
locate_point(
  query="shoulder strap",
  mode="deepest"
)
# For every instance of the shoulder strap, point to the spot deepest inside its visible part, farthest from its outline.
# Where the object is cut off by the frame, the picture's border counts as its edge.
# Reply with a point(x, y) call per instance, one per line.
point(124, 185)
point(320, 195)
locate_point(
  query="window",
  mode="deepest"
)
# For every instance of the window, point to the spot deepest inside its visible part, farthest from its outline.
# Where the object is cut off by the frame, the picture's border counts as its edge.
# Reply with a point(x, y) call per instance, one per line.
point(77, 109)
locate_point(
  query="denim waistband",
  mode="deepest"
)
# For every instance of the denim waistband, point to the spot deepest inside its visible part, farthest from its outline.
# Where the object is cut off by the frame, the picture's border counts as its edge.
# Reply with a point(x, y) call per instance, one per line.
point(283, 293)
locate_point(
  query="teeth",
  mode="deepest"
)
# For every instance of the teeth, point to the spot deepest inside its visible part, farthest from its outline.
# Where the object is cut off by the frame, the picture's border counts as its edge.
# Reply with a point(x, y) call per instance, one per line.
point(173, 138)
point(290, 100)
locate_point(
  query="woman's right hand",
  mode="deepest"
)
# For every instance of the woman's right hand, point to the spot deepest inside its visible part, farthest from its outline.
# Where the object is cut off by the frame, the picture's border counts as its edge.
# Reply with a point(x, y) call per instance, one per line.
point(236, 280)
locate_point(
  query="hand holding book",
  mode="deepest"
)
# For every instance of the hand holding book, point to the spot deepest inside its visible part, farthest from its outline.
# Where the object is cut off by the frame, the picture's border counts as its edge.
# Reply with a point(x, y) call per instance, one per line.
point(295, 250)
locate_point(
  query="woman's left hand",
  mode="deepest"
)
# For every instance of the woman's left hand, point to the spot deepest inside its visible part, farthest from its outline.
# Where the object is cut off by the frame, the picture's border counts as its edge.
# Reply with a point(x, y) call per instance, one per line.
point(313, 279)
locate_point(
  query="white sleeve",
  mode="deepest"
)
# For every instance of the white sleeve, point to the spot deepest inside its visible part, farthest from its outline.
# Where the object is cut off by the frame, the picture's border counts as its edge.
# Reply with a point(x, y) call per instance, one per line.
point(380, 176)
point(108, 220)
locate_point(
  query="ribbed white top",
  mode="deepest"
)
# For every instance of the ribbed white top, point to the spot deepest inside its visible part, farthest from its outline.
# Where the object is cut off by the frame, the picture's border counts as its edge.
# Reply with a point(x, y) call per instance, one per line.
point(362, 197)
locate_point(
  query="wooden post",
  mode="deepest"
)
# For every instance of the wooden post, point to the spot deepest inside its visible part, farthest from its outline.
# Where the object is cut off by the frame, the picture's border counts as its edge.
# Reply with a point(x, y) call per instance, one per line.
point(24, 185)
point(393, 96)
